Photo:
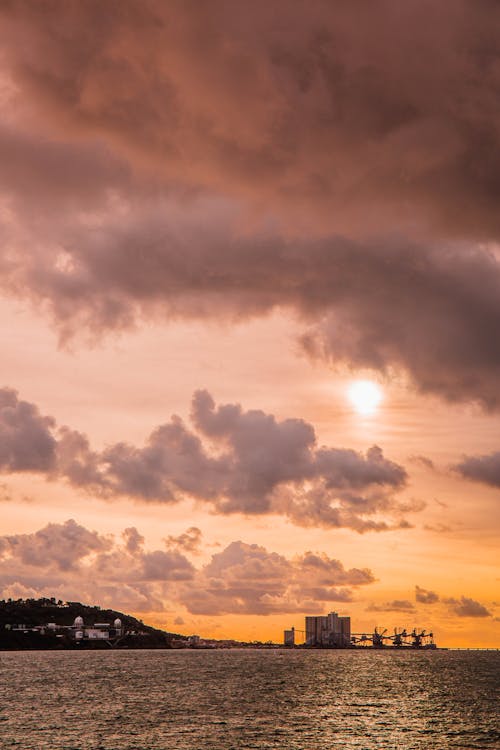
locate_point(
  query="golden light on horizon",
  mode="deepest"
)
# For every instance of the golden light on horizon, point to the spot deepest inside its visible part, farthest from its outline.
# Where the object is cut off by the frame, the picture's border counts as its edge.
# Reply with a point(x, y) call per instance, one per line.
point(365, 396)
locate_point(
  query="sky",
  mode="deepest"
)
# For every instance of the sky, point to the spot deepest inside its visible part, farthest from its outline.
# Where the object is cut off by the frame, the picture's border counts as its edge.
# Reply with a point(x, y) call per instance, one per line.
point(217, 220)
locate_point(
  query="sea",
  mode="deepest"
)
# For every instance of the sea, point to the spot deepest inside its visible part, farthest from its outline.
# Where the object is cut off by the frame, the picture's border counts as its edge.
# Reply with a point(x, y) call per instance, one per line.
point(236, 699)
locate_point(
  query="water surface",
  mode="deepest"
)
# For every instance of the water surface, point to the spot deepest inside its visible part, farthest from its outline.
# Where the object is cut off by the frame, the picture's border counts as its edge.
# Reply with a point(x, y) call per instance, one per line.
point(221, 700)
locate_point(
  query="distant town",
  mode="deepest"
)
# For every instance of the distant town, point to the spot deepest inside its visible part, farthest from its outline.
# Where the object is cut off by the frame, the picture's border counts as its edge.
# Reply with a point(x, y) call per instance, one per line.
point(51, 623)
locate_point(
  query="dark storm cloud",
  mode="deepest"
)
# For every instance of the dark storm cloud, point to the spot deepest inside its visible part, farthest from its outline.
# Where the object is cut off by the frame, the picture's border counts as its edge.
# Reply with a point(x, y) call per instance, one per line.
point(382, 304)
point(170, 160)
point(484, 469)
point(236, 461)
point(348, 109)
point(244, 578)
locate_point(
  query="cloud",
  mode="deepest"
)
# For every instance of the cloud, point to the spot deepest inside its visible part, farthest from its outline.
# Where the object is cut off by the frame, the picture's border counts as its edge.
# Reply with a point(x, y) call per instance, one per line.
point(425, 596)
point(18, 591)
point(484, 469)
point(248, 579)
point(463, 607)
point(133, 540)
point(423, 461)
point(437, 295)
point(189, 541)
point(160, 565)
point(192, 178)
point(235, 461)
point(396, 605)
point(466, 607)
point(328, 112)
point(61, 545)
point(71, 562)
point(5, 495)
point(193, 262)
point(439, 528)
point(26, 442)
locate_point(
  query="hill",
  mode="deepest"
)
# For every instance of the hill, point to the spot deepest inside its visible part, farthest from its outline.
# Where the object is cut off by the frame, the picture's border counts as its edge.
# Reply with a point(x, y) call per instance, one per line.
point(23, 625)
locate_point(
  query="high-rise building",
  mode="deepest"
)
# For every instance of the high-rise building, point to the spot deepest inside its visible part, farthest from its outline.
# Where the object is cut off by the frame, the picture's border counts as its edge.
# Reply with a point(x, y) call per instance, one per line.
point(315, 627)
point(333, 622)
point(328, 630)
point(345, 630)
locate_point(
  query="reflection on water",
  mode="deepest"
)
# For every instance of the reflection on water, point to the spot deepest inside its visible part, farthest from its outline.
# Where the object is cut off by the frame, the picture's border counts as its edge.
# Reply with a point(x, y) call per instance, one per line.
point(216, 700)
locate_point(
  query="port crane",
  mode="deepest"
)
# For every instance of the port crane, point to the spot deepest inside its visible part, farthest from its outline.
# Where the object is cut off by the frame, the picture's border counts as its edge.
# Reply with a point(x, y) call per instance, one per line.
point(421, 639)
point(376, 639)
point(400, 639)
point(360, 638)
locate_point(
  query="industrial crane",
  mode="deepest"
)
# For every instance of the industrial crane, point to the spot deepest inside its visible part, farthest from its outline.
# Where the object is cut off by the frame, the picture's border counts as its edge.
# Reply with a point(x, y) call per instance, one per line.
point(419, 639)
point(360, 638)
point(398, 639)
point(378, 638)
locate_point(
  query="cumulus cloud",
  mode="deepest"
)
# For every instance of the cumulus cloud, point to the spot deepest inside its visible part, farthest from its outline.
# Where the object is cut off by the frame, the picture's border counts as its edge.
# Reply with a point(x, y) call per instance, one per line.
point(425, 596)
point(70, 561)
point(132, 539)
point(484, 469)
point(61, 545)
point(463, 607)
point(191, 177)
point(26, 442)
point(236, 461)
point(248, 579)
point(466, 607)
point(189, 541)
point(73, 562)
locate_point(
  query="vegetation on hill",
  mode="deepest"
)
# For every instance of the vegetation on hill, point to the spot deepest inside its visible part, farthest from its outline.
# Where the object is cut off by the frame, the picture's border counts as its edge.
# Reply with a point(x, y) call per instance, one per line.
point(37, 612)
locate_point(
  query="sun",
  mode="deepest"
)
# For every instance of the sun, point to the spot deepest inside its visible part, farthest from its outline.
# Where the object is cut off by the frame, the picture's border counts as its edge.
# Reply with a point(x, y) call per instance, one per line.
point(365, 396)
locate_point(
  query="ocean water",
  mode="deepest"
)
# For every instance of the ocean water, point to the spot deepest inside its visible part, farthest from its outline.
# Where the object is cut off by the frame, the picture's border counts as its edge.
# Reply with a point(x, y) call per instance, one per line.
point(217, 700)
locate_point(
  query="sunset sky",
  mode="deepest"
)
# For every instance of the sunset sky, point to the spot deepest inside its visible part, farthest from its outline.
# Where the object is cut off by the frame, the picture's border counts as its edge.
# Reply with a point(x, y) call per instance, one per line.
point(217, 218)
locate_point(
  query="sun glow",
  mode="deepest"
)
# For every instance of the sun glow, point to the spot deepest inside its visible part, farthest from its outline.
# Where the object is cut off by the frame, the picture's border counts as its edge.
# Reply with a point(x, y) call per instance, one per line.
point(365, 396)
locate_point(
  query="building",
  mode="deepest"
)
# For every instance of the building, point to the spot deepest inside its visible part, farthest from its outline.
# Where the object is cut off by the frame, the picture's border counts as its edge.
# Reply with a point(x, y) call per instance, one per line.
point(289, 637)
point(345, 630)
point(99, 631)
point(315, 626)
point(328, 630)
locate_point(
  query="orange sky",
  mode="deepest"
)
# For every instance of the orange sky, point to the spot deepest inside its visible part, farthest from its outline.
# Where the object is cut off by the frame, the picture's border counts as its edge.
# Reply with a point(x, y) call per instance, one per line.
point(231, 216)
